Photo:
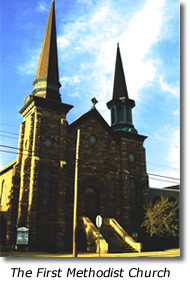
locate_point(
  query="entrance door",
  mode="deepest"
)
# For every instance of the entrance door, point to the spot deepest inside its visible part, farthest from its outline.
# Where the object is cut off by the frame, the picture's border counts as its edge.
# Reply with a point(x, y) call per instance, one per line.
point(91, 203)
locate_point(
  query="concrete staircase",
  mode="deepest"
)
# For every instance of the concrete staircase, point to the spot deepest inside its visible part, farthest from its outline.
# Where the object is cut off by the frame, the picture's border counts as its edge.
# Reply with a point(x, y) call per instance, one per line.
point(116, 244)
point(94, 239)
point(119, 241)
point(113, 238)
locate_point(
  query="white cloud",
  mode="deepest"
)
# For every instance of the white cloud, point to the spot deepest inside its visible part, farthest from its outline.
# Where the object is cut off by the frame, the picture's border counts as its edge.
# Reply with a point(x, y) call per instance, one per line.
point(87, 2)
point(176, 113)
point(167, 140)
point(70, 80)
point(98, 35)
point(173, 90)
point(62, 42)
point(42, 6)
point(174, 148)
point(144, 30)
point(100, 16)
point(29, 66)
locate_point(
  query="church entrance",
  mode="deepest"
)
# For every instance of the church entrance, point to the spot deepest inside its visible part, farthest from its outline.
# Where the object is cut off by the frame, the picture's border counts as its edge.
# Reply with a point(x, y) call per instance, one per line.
point(92, 203)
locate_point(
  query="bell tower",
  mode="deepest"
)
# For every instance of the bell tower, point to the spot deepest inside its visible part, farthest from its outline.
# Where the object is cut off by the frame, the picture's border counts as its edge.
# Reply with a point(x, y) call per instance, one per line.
point(120, 105)
point(43, 145)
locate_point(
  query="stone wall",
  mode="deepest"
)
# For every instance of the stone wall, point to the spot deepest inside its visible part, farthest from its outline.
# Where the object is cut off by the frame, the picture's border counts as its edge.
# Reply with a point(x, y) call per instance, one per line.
point(5, 186)
point(104, 177)
point(105, 167)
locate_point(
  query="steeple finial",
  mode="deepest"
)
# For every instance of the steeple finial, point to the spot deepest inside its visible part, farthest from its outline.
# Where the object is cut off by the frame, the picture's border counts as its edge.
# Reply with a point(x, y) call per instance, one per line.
point(94, 102)
point(120, 88)
point(46, 84)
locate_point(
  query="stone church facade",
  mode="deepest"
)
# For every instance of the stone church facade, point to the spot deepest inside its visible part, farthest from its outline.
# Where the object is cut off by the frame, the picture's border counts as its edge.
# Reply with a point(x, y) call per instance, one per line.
point(37, 189)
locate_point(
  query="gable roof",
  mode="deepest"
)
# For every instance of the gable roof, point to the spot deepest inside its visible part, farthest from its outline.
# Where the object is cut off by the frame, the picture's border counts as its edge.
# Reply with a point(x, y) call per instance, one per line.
point(94, 113)
point(116, 135)
point(8, 167)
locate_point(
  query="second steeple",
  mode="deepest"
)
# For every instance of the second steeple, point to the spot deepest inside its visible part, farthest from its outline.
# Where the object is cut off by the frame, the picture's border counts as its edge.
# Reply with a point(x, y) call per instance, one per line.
point(120, 105)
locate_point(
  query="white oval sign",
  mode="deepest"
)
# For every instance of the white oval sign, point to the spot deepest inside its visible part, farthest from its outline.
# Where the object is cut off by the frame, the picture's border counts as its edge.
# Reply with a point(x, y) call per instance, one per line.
point(98, 221)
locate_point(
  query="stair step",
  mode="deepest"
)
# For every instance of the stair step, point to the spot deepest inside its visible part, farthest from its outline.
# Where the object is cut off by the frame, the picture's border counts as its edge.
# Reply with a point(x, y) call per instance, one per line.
point(115, 241)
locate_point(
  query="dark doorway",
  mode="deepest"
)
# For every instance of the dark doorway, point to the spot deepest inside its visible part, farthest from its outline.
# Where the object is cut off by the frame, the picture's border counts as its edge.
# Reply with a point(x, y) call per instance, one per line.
point(92, 203)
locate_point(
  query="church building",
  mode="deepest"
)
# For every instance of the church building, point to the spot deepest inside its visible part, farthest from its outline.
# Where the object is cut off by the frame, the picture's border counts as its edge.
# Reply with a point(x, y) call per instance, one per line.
point(37, 189)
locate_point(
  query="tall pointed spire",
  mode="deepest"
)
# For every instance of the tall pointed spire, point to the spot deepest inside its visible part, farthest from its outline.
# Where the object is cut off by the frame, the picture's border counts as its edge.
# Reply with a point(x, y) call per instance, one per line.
point(120, 88)
point(46, 84)
point(120, 105)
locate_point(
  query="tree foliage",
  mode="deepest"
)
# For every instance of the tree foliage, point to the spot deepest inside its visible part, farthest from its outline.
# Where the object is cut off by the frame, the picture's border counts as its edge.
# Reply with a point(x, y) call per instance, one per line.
point(162, 218)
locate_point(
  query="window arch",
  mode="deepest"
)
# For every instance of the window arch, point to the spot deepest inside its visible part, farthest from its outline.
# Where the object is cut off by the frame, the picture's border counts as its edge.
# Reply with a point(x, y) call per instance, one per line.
point(90, 191)
point(132, 157)
point(113, 115)
point(120, 113)
point(92, 203)
point(133, 194)
point(45, 187)
point(26, 145)
point(2, 192)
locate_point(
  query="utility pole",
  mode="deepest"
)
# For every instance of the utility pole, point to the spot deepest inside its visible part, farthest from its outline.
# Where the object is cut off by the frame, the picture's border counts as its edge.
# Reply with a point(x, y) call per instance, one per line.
point(99, 224)
point(75, 194)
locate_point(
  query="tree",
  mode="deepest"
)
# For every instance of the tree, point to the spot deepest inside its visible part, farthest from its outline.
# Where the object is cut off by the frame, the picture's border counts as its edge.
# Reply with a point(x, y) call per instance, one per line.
point(162, 218)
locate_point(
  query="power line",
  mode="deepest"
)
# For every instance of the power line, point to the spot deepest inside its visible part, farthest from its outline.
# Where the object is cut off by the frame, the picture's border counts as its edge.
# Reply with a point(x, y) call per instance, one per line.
point(162, 166)
point(5, 151)
point(167, 178)
point(16, 148)
point(163, 176)
point(147, 162)
point(70, 149)
point(162, 180)
point(9, 125)
point(5, 136)
point(150, 163)
point(9, 132)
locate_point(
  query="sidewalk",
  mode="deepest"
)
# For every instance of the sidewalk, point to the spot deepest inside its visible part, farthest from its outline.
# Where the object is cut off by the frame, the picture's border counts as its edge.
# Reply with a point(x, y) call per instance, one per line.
point(167, 253)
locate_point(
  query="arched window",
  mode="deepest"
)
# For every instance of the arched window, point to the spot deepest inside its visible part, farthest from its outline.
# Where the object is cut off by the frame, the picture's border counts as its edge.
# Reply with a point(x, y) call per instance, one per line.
point(113, 115)
point(132, 157)
point(91, 203)
point(26, 145)
point(45, 188)
point(2, 192)
point(120, 113)
point(129, 115)
point(90, 191)
point(133, 195)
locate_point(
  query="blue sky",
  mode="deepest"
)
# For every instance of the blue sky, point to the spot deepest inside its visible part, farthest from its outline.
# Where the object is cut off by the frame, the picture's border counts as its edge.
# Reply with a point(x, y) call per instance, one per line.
point(88, 32)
